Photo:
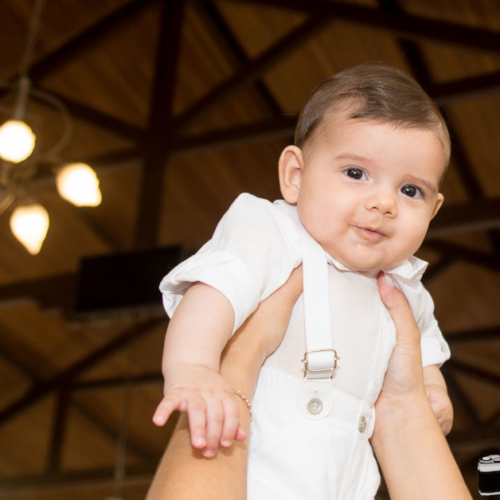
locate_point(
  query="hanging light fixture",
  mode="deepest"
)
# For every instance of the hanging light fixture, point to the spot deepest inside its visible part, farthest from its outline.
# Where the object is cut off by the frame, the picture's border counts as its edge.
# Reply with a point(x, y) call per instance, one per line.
point(19, 150)
point(30, 224)
point(78, 183)
point(17, 141)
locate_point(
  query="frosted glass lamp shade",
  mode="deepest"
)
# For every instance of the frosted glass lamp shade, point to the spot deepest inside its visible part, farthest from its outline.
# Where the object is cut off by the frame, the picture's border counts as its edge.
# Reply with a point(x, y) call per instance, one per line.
point(78, 183)
point(17, 141)
point(30, 224)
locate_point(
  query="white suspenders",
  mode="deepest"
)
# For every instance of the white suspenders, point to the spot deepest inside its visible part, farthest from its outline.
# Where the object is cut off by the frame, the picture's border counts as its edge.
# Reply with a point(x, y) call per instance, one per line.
point(320, 358)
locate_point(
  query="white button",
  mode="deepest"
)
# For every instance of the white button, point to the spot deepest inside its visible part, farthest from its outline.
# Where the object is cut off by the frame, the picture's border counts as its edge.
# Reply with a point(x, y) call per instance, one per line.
point(315, 406)
point(362, 424)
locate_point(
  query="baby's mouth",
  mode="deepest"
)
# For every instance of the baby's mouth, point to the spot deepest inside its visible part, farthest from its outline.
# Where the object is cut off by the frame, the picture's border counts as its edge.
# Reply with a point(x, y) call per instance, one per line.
point(371, 235)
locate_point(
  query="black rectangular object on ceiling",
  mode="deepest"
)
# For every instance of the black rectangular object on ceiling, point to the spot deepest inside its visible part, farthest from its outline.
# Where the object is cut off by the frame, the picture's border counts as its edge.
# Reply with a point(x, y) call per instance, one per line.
point(123, 281)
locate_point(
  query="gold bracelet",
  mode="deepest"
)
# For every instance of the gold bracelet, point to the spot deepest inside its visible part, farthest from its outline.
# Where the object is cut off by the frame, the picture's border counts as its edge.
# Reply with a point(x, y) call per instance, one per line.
point(244, 398)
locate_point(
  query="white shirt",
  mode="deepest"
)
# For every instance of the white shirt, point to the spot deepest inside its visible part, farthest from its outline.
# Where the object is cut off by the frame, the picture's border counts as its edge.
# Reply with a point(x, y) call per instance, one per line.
point(253, 251)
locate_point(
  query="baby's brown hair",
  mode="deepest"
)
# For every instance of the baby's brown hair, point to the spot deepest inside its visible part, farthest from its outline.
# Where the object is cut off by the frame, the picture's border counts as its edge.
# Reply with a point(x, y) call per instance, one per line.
point(372, 91)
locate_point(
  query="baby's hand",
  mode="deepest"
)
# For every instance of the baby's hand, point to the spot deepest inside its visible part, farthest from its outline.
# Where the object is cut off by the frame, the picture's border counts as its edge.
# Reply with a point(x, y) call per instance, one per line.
point(209, 401)
point(441, 406)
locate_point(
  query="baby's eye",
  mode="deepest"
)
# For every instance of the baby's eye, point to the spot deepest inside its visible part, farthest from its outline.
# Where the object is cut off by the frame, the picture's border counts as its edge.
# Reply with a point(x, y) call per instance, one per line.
point(355, 173)
point(412, 191)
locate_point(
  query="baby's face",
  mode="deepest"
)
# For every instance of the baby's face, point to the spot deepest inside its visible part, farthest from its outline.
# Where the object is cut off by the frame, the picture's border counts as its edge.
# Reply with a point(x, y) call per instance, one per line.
point(368, 190)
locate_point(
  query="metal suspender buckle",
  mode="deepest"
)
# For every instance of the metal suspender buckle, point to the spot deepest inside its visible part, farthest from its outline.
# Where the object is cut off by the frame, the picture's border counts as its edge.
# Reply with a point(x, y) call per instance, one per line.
point(328, 372)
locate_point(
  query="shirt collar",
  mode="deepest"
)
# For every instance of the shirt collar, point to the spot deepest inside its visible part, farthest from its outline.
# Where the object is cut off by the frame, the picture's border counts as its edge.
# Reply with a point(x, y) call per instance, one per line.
point(411, 269)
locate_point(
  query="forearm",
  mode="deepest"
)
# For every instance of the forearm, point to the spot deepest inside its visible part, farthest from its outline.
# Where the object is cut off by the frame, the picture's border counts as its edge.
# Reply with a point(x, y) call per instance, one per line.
point(414, 456)
point(184, 473)
point(199, 328)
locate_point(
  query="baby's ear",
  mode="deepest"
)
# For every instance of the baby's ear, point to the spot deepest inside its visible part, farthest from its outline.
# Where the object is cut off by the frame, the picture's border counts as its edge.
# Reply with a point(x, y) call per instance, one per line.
point(437, 206)
point(291, 165)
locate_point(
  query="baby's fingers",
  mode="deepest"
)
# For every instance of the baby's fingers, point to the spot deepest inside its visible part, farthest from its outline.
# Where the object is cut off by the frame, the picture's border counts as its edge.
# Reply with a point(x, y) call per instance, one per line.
point(215, 418)
point(163, 411)
point(230, 422)
point(196, 409)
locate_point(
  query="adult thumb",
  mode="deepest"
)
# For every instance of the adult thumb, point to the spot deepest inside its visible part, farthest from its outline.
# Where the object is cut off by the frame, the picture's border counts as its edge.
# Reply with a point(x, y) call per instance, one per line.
point(399, 309)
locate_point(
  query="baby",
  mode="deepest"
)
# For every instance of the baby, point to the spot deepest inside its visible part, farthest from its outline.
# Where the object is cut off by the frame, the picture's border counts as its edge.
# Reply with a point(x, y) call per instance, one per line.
point(360, 186)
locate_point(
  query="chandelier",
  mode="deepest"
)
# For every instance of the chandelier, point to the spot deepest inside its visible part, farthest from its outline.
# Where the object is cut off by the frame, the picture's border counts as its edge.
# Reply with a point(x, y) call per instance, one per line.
point(21, 150)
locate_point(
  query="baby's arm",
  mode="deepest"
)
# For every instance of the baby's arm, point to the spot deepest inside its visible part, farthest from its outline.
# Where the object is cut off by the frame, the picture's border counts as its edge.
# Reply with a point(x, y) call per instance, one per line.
point(196, 336)
point(437, 394)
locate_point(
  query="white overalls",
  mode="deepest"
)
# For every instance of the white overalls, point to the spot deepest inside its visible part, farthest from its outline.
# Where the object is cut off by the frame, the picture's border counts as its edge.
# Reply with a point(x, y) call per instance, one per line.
point(309, 437)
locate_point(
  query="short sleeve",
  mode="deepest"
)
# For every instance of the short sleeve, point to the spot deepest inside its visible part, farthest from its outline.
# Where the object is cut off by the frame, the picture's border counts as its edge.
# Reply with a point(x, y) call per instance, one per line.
point(435, 349)
point(252, 253)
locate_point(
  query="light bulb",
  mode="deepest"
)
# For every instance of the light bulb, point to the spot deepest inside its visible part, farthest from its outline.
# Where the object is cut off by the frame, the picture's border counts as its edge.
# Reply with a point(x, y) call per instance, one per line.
point(78, 183)
point(30, 225)
point(17, 141)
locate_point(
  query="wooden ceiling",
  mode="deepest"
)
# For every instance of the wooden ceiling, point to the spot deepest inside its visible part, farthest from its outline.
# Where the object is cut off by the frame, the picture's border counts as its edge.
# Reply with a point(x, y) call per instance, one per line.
point(180, 106)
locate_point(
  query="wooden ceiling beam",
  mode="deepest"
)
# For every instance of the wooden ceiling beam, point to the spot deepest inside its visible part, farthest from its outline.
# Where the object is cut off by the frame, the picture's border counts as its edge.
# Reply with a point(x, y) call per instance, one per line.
point(138, 474)
point(474, 335)
point(474, 439)
point(489, 261)
point(58, 431)
point(406, 25)
point(473, 371)
point(115, 382)
point(479, 215)
point(159, 123)
point(46, 387)
point(53, 292)
point(271, 129)
point(251, 72)
point(90, 38)
point(100, 119)
point(466, 88)
point(436, 269)
point(230, 44)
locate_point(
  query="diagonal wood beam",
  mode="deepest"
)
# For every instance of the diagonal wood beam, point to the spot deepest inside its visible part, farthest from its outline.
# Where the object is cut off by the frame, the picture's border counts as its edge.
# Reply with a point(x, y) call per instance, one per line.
point(406, 25)
point(474, 439)
point(466, 88)
point(265, 130)
point(114, 382)
point(86, 40)
point(100, 119)
point(134, 474)
point(474, 335)
point(58, 434)
point(252, 71)
point(46, 387)
point(488, 260)
point(230, 44)
point(160, 120)
point(479, 215)
point(473, 371)
point(53, 292)
point(434, 270)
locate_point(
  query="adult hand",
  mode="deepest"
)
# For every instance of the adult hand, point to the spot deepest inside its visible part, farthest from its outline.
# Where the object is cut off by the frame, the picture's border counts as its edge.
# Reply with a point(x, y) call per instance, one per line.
point(407, 440)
